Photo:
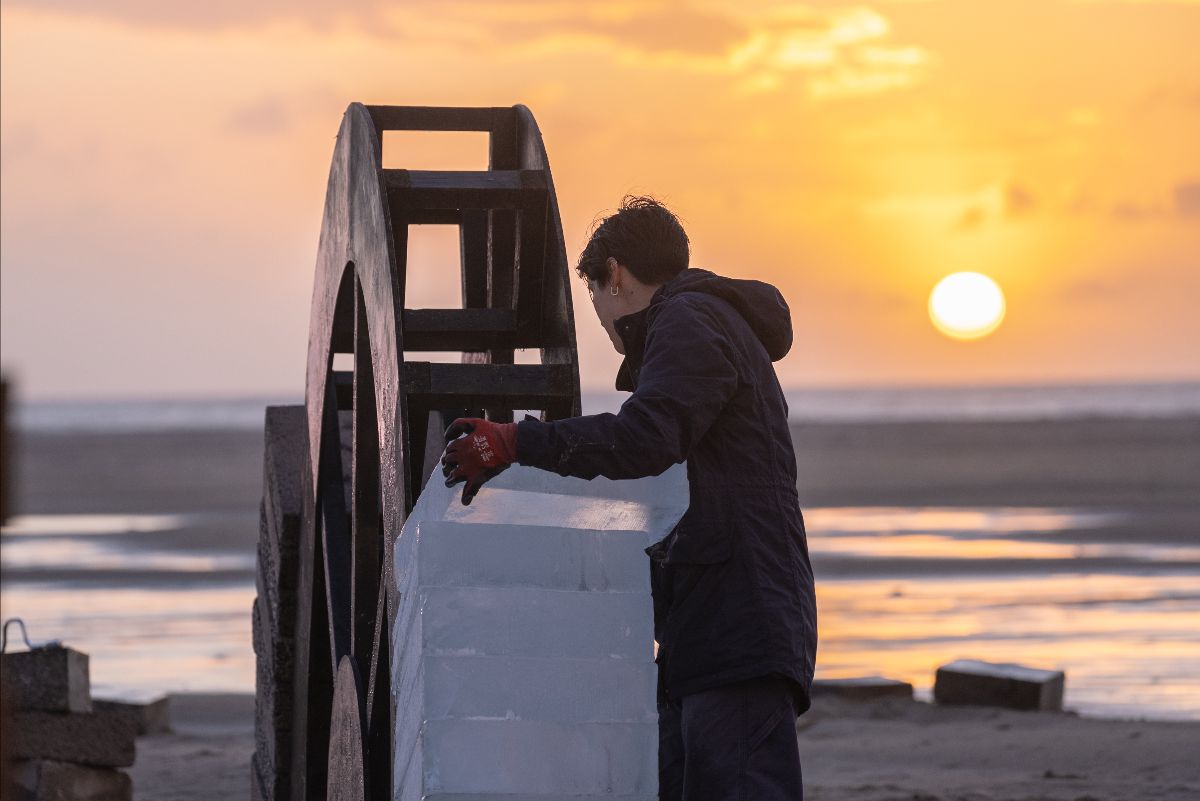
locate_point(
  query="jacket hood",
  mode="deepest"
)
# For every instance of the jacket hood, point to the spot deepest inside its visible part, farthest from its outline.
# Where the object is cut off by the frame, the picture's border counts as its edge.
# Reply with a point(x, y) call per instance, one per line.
point(759, 303)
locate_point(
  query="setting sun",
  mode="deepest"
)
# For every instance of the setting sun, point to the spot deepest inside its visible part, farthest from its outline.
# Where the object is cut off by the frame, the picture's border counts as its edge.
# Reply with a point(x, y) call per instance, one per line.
point(966, 305)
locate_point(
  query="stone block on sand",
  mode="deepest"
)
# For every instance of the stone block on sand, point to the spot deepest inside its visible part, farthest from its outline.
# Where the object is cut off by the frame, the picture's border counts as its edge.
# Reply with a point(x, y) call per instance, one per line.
point(50, 780)
point(105, 741)
point(47, 679)
point(969, 681)
point(150, 713)
point(863, 688)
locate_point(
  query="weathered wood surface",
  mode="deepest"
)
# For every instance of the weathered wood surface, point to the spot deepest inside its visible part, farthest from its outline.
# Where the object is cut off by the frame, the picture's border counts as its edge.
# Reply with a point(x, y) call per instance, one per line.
point(359, 482)
point(285, 454)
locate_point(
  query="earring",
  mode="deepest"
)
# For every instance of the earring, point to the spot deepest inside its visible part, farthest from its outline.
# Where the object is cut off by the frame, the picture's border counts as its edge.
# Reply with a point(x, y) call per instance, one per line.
point(613, 290)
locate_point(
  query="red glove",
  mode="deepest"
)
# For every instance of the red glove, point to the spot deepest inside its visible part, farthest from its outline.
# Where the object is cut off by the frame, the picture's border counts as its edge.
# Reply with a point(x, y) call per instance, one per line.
point(486, 451)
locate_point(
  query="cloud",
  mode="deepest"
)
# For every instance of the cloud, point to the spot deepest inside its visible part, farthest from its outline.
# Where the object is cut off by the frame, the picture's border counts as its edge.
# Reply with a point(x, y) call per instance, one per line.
point(1011, 200)
point(842, 52)
point(22, 141)
point(649, 29)
point(212, 15)
point(1183, 204)
point(1018, 201)
point(1123, 282)
point(1140, 2)
point(1014, 200)
point(1187, 199)
point(1089, 290)
point(831, 52)
point(971, 218)
point(267, 115)
point(1137, 211)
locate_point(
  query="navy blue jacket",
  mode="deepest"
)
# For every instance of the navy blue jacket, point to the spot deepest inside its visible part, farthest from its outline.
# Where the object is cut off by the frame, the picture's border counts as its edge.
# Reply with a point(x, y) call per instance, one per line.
point(732, 583)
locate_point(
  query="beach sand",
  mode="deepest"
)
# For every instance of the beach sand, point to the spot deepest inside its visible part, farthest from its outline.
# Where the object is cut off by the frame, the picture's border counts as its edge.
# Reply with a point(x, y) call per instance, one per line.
point(850, 750)
point(206, 755)
point(893, 750)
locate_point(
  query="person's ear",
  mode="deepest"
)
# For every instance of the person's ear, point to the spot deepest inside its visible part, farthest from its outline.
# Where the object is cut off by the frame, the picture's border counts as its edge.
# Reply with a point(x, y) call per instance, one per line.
point(614, 273)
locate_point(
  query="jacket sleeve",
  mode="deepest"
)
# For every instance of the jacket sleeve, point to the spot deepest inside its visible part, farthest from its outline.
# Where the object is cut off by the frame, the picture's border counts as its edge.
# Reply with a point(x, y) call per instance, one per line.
point(688, 375)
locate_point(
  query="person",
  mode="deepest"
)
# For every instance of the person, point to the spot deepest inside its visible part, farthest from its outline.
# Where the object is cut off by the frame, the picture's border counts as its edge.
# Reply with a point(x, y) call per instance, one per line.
point(732, 585)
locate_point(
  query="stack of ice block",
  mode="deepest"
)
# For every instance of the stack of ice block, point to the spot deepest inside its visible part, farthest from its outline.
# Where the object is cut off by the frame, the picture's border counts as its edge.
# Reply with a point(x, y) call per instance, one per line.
point(523, 647)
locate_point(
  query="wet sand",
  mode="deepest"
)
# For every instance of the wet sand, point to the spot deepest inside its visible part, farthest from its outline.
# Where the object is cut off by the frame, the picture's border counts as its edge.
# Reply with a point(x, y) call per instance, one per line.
point(894, 750)
point(1150, 467)
point(1097, 461)
point(1140, 463)
point(850, 751)
point(872, 751)
point(205, 756)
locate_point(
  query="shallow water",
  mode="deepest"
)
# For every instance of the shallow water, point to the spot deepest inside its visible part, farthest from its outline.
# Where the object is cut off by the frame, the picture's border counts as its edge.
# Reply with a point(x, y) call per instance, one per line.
point(901, 590)
point(805, 404)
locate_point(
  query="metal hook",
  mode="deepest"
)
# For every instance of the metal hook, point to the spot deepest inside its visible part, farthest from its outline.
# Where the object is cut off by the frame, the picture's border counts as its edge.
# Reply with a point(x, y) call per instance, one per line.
point(24, 635)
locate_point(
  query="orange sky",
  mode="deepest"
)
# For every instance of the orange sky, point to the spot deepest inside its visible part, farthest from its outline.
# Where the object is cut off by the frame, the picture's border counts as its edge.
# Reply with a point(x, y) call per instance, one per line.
point(163, 168)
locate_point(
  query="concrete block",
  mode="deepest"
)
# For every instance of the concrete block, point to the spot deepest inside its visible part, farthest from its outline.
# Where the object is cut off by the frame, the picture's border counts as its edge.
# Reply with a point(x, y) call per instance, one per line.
point(49, 679)
point(87, 739)
point(50, 780)
point(865, 688)
point(150, 713)
point(969, 681)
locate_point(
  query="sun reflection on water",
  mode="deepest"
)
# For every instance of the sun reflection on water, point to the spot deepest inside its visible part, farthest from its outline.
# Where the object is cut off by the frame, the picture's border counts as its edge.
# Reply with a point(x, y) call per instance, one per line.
point(1128, 643)
point(914, 588)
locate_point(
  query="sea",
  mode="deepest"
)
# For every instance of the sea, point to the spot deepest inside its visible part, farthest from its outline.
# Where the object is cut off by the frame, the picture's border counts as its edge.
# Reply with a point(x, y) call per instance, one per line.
point(809, 404)
point(1042, 586)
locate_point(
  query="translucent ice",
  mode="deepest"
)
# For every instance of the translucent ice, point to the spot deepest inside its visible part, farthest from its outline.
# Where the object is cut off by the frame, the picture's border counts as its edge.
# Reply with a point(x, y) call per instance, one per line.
point(522, 650)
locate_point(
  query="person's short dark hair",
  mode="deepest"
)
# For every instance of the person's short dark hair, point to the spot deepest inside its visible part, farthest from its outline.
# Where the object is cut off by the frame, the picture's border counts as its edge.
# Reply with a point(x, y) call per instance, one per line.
point(644, 236)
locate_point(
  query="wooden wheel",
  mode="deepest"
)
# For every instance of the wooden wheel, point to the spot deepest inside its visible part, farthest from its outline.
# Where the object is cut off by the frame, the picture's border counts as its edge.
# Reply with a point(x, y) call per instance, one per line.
point(374, 419)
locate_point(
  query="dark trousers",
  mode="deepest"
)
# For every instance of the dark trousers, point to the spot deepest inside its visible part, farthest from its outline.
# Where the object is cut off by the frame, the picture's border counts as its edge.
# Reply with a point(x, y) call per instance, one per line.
point(731, 743)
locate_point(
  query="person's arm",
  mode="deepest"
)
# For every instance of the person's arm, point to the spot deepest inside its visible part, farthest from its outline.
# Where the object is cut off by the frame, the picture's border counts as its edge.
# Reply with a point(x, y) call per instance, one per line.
point(688, 375)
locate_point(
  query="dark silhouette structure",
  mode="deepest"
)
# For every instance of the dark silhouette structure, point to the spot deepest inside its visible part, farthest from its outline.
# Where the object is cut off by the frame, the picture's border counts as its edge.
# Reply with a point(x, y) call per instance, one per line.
point(342, 474)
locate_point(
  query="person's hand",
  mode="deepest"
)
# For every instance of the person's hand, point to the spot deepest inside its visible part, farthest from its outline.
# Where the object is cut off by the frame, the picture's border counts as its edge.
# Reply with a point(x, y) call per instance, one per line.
point(486, 451)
